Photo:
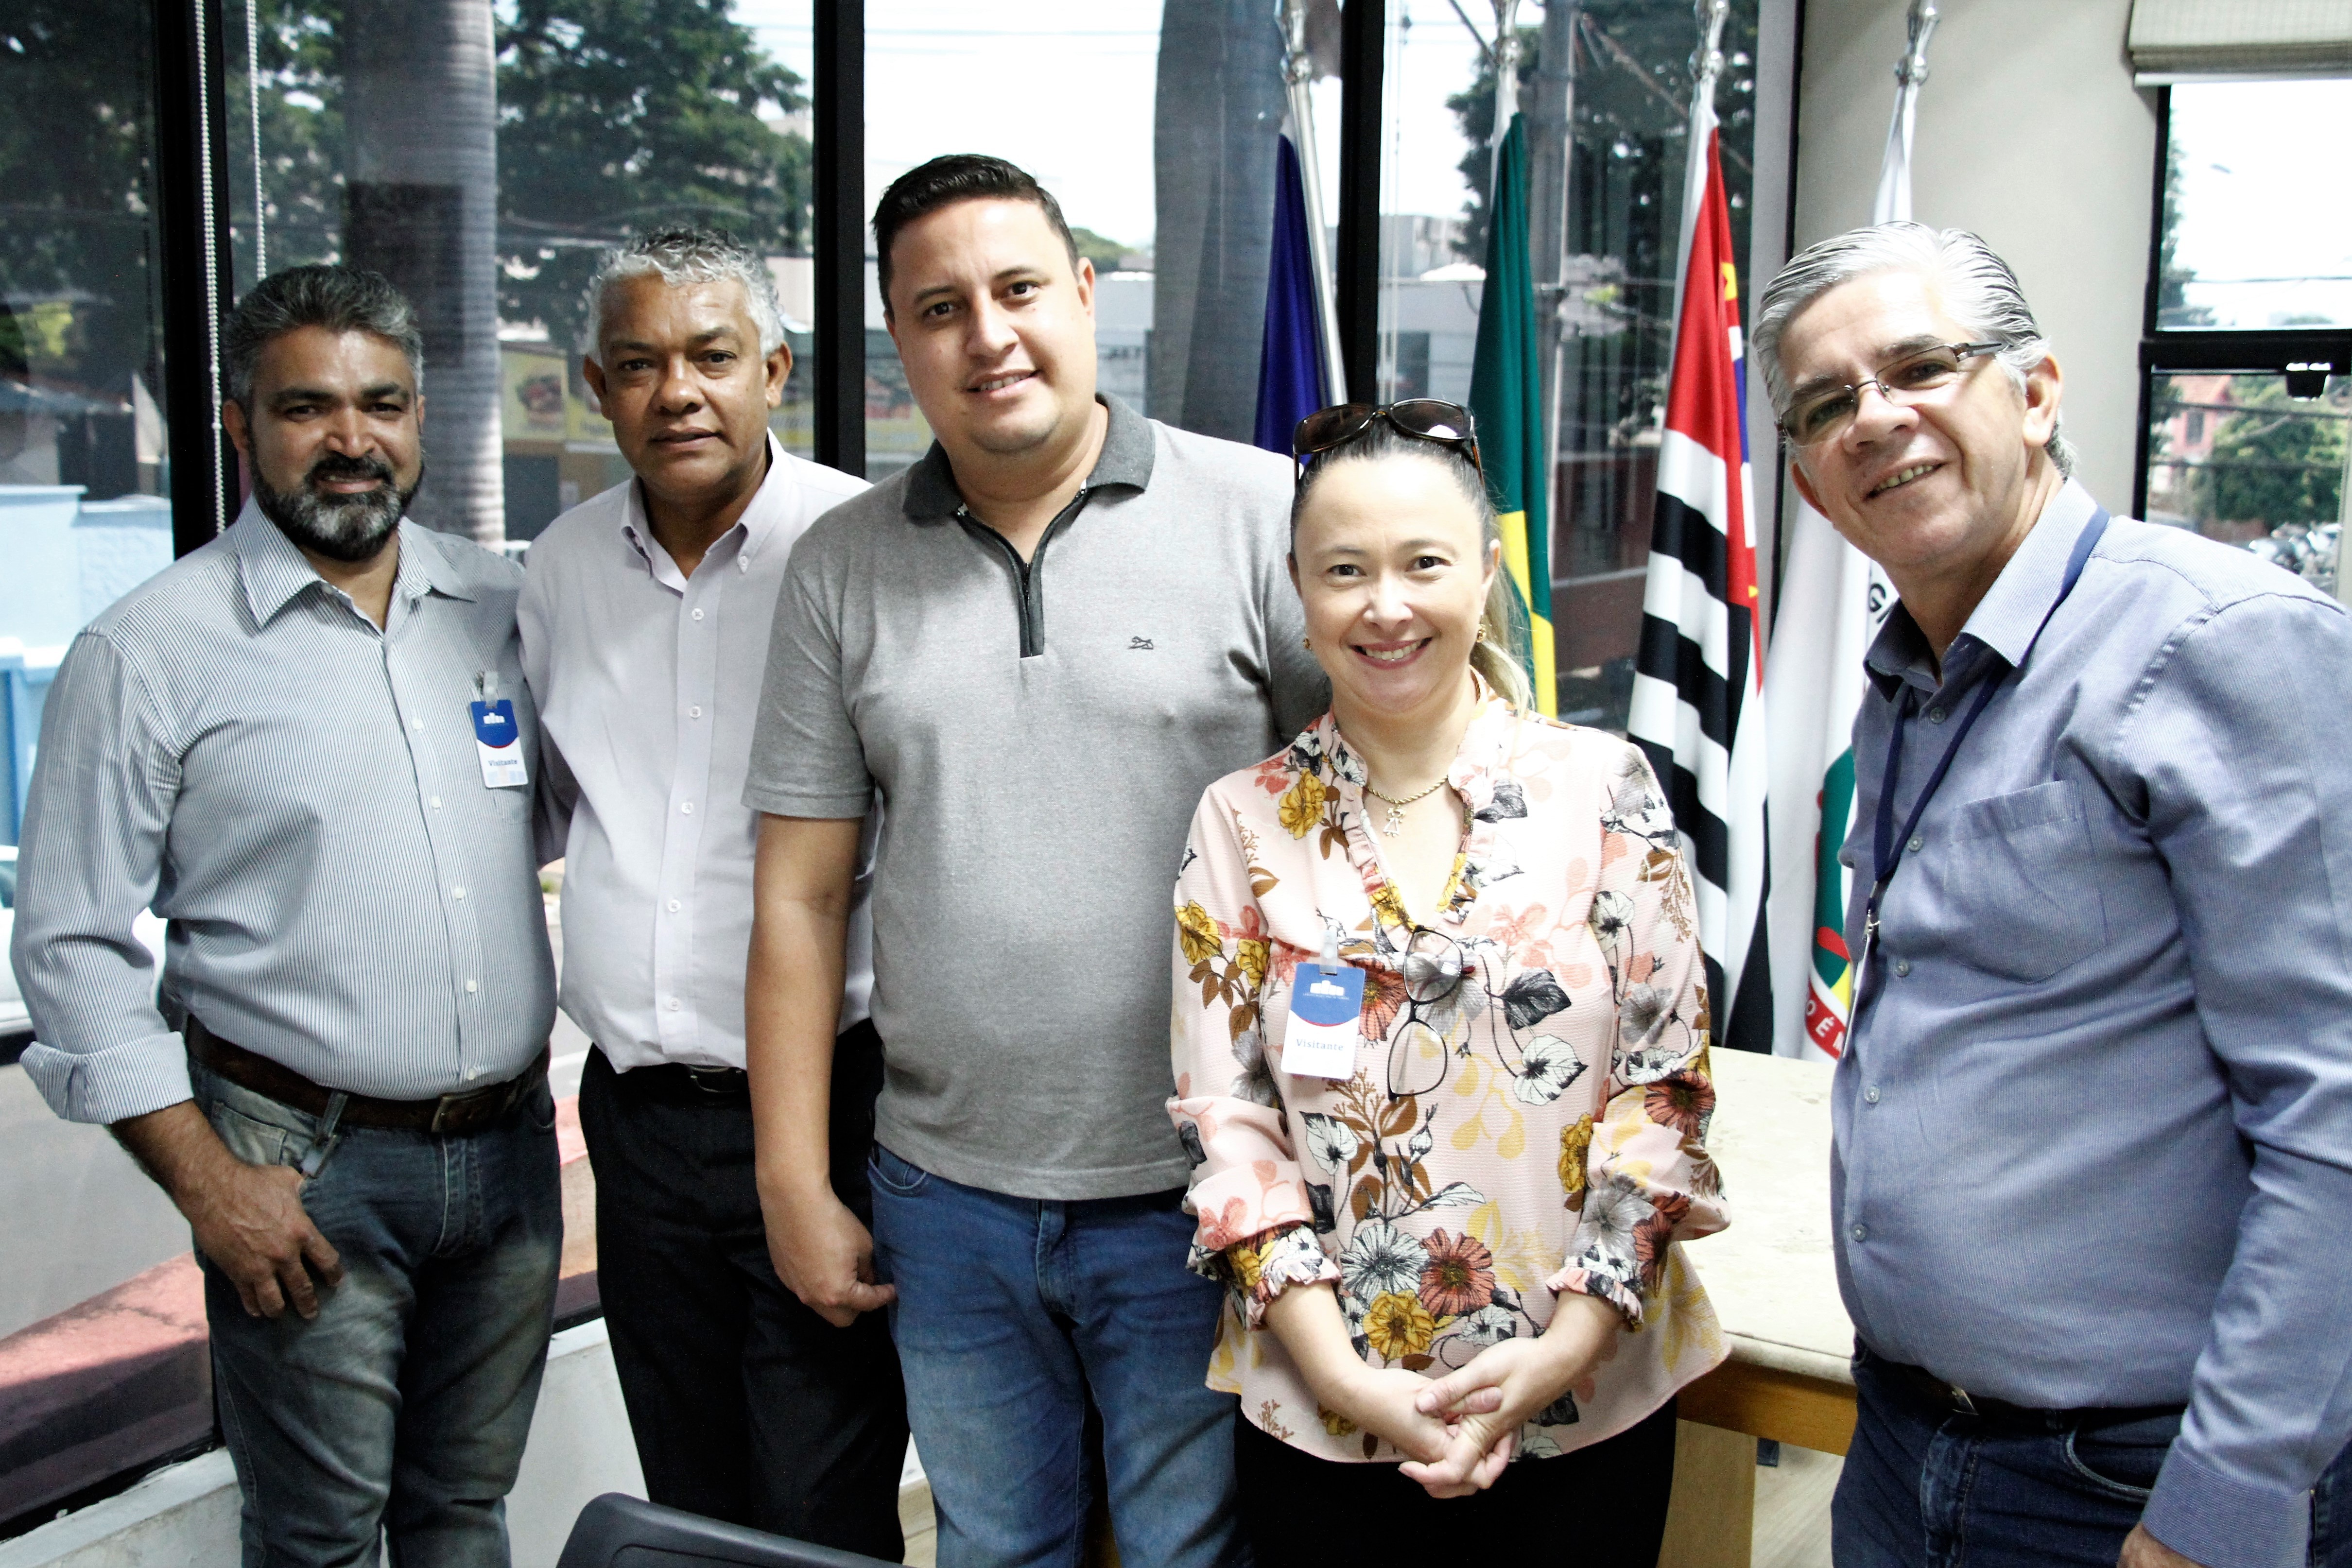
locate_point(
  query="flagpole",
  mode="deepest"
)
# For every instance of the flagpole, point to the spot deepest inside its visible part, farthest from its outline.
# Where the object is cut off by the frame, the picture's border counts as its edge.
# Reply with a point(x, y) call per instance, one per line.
point(1506, 87)
point(1298, 76)
point(1893, 205)
point(1707, 65)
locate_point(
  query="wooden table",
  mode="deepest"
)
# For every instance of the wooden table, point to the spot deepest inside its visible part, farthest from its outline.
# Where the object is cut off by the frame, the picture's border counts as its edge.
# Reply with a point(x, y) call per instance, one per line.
point(1775, 1288)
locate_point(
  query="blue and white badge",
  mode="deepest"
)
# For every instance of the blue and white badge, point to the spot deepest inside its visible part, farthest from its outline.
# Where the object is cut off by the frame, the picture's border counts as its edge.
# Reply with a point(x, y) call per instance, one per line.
point(497, 736)
point(1327, 998)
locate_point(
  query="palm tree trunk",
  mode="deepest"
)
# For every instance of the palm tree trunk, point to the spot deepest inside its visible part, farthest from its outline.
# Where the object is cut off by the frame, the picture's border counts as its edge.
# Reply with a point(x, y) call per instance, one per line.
point(421, 185)
point(1219, 109)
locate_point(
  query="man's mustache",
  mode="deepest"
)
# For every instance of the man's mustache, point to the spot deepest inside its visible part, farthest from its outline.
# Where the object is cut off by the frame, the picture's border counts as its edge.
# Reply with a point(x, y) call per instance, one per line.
point(335, 466)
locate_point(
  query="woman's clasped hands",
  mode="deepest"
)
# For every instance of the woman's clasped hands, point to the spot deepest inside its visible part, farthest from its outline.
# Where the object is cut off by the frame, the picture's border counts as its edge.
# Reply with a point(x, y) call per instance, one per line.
point(1481, 1408)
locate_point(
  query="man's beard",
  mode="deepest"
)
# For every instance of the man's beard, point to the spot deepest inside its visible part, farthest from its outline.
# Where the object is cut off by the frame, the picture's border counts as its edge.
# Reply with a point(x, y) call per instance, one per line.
point(340, 527)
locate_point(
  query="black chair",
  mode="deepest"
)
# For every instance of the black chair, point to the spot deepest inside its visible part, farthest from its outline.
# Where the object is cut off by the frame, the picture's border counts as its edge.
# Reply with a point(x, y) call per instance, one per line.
point(618, 1531)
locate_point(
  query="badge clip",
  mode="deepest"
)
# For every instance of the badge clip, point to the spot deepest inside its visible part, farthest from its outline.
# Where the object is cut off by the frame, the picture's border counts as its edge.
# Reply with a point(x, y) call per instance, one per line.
point(1327, 1003)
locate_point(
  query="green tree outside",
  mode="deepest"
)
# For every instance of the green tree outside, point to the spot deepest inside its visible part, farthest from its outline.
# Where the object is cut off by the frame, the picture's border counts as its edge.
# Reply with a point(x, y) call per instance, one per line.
point(2279, 461)
point(616, 117)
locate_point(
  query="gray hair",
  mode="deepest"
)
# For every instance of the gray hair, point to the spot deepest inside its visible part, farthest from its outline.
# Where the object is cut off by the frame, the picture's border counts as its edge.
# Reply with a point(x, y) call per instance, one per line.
point(680, 257)
point(1976, 287)
point(337, 299)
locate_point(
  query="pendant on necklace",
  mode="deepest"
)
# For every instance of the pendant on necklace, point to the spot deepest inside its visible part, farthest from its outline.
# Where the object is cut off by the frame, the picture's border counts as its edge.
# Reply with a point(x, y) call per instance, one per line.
point(1395, 824)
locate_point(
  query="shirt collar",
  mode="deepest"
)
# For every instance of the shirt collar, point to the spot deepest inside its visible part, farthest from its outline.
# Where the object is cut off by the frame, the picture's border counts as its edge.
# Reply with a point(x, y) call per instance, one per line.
point(751, 531)
point(1126, 456)
point(274, 572)
point(2005, 621)
point(1480, 774)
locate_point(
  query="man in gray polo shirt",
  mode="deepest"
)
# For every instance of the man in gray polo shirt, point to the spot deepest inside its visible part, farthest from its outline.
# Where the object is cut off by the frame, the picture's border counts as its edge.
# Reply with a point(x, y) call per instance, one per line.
point(1038, 644)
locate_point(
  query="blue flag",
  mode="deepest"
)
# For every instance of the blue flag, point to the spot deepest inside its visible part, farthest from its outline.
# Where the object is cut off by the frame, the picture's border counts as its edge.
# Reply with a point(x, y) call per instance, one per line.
point(1291, 365)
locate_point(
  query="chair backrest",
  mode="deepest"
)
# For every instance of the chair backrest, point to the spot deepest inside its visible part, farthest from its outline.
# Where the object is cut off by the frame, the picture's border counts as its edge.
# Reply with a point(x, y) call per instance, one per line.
point(617, 1531)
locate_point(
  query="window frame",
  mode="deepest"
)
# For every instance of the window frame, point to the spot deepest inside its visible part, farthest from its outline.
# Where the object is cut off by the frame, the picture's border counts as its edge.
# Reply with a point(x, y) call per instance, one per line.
point(2209, 351)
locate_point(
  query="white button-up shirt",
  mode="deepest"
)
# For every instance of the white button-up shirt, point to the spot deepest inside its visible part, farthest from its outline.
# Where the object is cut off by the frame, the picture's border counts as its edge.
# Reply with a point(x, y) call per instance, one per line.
point(647, 683)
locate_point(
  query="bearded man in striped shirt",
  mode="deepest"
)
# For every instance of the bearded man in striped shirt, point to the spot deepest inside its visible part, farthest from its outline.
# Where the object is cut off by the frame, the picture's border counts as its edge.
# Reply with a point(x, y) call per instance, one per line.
point(308, 747)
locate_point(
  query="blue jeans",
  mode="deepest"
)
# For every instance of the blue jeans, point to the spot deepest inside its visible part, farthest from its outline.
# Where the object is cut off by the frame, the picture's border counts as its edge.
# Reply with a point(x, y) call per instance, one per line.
point(1938, 1490)
point(402, 1408)
point(1011, 1313)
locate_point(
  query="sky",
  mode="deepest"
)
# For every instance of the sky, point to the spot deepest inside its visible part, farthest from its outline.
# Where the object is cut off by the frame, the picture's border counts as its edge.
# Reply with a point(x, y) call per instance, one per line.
point(2261, 197)
point(1064, 88)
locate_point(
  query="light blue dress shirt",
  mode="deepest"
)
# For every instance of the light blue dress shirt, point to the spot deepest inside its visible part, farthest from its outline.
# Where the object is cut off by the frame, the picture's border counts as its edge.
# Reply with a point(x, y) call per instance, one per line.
point(2094, 1127)
point(300, 795)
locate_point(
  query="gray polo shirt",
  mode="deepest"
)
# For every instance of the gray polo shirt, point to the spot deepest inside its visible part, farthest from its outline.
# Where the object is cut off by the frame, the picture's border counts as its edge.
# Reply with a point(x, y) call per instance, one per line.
point(1041, 736)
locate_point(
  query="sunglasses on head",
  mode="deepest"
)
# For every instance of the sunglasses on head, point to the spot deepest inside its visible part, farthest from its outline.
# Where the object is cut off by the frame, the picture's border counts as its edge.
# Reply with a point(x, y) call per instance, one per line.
point(1427, 419)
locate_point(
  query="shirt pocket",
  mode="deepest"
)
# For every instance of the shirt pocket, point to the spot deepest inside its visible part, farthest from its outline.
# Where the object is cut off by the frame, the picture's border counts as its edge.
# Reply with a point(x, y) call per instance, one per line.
point(2021, 884)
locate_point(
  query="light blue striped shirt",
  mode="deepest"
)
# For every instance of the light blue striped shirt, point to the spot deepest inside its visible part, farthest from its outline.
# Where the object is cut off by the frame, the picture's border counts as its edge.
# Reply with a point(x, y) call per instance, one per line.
point(300, 796)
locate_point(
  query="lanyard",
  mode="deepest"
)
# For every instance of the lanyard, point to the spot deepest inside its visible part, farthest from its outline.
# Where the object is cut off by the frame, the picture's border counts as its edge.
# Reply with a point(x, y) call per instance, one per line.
point(1887, 853)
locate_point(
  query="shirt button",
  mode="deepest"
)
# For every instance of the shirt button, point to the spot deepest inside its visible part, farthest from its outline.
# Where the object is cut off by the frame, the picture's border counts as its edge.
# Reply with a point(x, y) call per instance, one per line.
point(1903, 966)
point(697, 615)
point(436, 803)
point(416, 724)
point(456, 893)
point(472, 987)
point(687, 807)
point(472, 1074)
point(673, 1004)
point(1871, 1094)
point(673, 907)
point(1862, 1233)
point(1917, 843)
point(694, 712)
point(1934, 715)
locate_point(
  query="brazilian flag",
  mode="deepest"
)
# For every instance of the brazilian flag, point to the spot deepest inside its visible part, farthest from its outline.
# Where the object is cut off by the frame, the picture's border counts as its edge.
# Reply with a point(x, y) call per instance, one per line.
point(1507, 397)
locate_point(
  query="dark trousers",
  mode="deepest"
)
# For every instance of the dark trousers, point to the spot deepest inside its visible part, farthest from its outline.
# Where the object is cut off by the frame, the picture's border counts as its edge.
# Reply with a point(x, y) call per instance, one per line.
point(1924, 1488)
point(1603, 1505)
point(747, 1407)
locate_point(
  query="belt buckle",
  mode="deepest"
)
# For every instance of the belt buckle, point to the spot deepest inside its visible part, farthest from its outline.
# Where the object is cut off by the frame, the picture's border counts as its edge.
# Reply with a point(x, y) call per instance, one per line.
point(442, 1108)
point(1960, 1400)
point(712, 1080)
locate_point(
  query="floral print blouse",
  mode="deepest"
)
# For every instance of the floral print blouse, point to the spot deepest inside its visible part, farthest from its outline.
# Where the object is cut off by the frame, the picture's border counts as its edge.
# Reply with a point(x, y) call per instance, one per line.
point(1539, 1126)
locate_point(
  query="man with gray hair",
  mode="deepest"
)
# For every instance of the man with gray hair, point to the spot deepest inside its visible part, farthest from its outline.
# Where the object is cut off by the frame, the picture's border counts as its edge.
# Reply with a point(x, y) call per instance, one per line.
point(307, 745)
point(2091, 1156)
point(644, 632)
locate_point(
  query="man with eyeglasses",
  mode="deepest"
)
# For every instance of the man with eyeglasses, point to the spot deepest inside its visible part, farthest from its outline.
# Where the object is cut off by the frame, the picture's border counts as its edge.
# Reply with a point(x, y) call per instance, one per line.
point(1038, 645)
point(2091, 1156)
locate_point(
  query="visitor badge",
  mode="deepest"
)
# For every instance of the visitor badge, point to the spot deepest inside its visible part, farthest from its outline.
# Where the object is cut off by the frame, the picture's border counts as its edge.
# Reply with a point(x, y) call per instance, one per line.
point(499, 740)
point(1324, 1006)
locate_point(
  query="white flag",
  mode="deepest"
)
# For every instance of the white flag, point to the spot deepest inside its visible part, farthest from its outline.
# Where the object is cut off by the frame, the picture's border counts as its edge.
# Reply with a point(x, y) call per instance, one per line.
point(1832, 602)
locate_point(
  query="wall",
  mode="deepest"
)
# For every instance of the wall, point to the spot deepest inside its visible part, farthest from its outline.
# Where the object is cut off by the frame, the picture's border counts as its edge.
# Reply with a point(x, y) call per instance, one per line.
point(2030, 133)
point(186, 1516)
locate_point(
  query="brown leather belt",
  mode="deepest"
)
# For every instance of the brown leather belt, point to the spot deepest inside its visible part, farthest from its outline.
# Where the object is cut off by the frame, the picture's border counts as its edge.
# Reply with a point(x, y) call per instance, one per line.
point(452, 1114)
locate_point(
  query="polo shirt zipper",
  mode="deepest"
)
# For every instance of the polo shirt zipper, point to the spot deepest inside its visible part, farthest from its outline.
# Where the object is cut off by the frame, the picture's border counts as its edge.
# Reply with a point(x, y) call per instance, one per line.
point(1028, 594)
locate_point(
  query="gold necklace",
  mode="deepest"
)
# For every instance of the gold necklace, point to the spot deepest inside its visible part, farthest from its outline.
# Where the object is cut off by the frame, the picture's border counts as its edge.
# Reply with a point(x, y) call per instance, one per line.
point(1396, 823)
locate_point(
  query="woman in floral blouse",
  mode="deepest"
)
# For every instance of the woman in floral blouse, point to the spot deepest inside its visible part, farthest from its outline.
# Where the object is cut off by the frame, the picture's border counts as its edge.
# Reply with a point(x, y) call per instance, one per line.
point(1452, 1245)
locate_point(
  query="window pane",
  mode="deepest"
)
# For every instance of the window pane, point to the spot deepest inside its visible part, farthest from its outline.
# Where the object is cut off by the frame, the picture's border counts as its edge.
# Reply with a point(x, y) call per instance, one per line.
point(1615, 265)
point(1157, 138)
point(557, 129)
point(2235, 458)
point(103, 1367)
point(2256, 235)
